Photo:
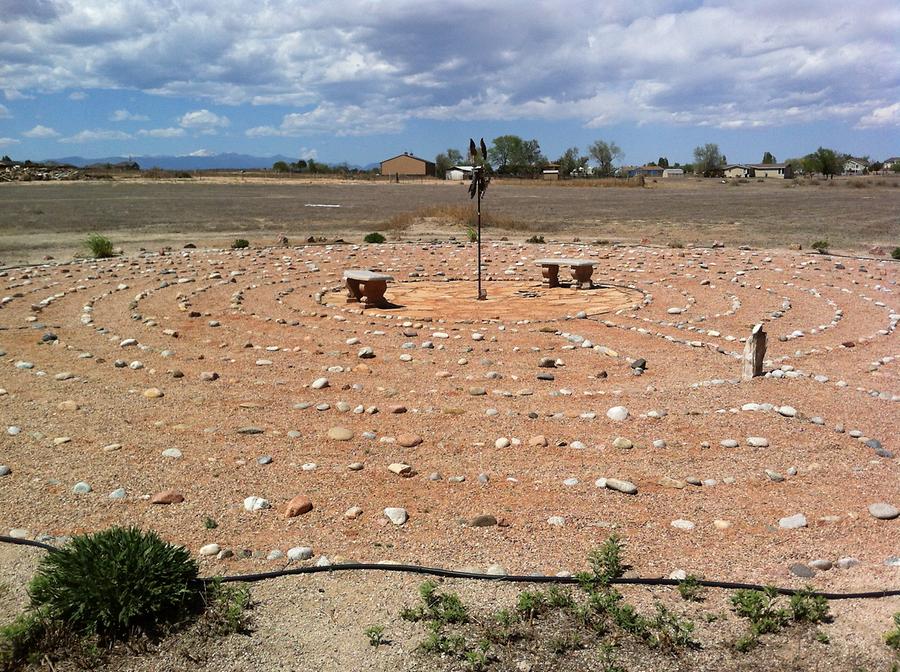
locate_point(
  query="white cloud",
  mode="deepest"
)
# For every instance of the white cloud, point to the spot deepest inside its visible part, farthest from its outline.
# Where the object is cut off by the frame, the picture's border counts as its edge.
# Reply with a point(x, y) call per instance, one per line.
point(15, 94)
point(650, 61)
point(880, 117)
point(162, 132)
point(203, 120)
point(41, 132)
point(4, 112)
point(125, 115)
point(95, 135)
point(8, 141)
point(78, 95)
point(200, 152)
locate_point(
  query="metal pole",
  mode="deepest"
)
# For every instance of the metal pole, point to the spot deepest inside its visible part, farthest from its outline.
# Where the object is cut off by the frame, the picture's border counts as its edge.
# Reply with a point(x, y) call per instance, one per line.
point(480, 297)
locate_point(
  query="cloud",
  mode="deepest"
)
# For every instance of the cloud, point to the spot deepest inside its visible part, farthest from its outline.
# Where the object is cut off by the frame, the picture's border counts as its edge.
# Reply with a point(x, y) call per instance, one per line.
point(125, 115)
point(4, 112)
point(344, 68)
point(41, 132)
point(162, 132)
point(8, 141)
point(78, 95)
point(200, 152)
point(14, 94)
point(203, 120)
point(880, 117)
point(95, 135)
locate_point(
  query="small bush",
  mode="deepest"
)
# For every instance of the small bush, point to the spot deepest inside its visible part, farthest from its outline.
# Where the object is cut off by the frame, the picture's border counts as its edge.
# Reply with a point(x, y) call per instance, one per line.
point(676, 244)
point(239, 244)
point(690, 589)
point(99, 246)
point(116, 582)
point(669, 632)
point(809, 608)
point(531, 604)
point(857, 184)
point(471, 234)
point(892, 637)
point(535, 239)
point(374, 238)
point(759, 607)
point(820, 246)
point(895, 253)
point(375, 633)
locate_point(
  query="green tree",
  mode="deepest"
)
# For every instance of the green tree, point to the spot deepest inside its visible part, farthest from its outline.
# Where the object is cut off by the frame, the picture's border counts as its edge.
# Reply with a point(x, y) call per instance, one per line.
point(662, 162)
point(571, 161)
point(445, 161)
point(511, 155)
point(312, 166)
point(708, 159)
point(825, 161)
point(280, 167)
point(299, 166)
point(768, 159)
point(604, 153)
point(6, 159)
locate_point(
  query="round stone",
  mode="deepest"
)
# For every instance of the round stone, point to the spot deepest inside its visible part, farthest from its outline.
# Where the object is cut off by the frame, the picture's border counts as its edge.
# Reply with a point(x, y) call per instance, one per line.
point(319, 383)
point(396, 515)
point(118, 493)
point(300, 553)
point(485, 520)
point(210, 549)
point(340, 434)
point(171, 452)
point(617, 413)
point(409, 440)
point(153, 393)
point(253, 503)
point(81, 488)
point(681, 524)
point(757, 441)
point(623, 443)
point(792, 522)
point(883, 511)
point(298, 506)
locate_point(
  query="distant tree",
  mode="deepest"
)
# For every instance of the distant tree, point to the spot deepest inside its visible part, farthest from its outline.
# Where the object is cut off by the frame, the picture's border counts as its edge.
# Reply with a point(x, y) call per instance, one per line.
point(312, 166)
point(895, 166)
point(662, 162)
point(768, 158)
point(797, 165)
point(6, 159)
point(876, 166)
point(280, 167)
point(571, 161)
point(299, 166)
point(707, 159)
point(825, 161)
point(511, 155)
point(604, 153)
point(445, 161)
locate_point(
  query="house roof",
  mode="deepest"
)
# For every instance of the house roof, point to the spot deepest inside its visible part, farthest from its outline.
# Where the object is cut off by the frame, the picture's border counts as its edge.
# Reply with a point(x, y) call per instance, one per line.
point(736, 165)
point(768, 166)
point(892, 159)
point(862, 162)
point(408, 156)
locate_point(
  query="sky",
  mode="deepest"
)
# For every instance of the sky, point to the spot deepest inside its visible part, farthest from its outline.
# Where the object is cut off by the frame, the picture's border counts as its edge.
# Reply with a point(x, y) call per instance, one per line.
point(364, 80)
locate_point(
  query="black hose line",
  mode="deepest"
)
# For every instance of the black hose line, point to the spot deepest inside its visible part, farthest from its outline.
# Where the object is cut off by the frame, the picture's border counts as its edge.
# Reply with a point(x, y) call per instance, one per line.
point(501, 578)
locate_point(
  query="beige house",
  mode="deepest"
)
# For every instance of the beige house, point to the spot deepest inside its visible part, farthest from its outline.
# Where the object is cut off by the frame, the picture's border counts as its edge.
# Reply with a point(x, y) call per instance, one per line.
point(673, 172)
point(737, 170)
point(407, 164)
point(780, 171)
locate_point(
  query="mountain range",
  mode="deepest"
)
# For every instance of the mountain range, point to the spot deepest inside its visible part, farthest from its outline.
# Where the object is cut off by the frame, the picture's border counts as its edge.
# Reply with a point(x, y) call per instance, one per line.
point(189, 162)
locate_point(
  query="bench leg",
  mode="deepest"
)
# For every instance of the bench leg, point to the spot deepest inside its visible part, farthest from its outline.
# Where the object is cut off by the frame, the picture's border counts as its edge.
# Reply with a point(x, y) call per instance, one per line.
point(374, 293)
point(551, 275)
point(582, 276)
point(354, 293)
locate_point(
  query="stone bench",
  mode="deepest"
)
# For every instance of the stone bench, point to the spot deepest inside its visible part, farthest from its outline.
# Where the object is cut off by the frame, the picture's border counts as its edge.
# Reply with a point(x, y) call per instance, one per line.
point(367, 287)
point(582, 269)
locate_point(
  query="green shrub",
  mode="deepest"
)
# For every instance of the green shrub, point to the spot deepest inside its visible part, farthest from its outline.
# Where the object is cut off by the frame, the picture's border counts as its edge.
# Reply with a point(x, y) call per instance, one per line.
point(606, 562)
point(225, 608)
point(892, 637)
point(895, 253)
point(669, 632)
point(809, 608)
point(99, 246)
point(240, 244)
point(759, 607)
point(535, 239)
point(531, 604)
point(374, 238)
point(820, 246)
point(116, 582)
point(676, 244)
point(471, 234)
point(690, 589)
point(375, 633)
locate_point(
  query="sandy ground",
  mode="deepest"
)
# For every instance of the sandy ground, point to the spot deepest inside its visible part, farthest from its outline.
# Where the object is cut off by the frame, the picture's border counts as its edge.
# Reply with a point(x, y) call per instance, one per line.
point(269, 322)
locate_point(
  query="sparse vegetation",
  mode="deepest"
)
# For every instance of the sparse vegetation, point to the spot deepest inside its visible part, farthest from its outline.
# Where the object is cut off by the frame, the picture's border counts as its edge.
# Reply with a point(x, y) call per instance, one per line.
point(690, 589)
point(895, 253)
point(820, 246)
point(374, 238)
point(535, 240)
point(892, 636)
point(100, 247)
point(375, 633)
point(210, 524)
point(240, 244)
point(676, 244)
point(809, 608)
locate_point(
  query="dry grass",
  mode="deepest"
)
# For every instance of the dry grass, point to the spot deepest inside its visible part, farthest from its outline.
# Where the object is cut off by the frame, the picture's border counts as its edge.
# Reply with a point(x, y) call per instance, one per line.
point(599, 182)
point(458, 216)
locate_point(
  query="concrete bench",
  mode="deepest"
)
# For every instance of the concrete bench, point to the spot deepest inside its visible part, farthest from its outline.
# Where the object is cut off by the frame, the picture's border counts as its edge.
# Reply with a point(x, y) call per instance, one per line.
point(582, 269)
point(367, 287)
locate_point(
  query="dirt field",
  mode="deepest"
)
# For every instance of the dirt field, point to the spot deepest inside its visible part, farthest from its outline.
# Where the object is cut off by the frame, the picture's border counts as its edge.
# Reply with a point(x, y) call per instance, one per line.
point(38, 219)
point(221, 375)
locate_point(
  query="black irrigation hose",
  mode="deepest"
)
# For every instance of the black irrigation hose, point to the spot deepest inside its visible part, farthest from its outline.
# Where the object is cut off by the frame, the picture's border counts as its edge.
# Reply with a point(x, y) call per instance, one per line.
point(501, 578)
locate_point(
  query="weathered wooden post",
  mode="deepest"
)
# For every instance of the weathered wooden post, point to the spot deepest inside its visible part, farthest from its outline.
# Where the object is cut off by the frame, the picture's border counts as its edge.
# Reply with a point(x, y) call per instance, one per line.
point(754, 353)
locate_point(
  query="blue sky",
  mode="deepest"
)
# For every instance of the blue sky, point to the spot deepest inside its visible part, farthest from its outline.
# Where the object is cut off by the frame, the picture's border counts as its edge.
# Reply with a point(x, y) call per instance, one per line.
point(362, 80)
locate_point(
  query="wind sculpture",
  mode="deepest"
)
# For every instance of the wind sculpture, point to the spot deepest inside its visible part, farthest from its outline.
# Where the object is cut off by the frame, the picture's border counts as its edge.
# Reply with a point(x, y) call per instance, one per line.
point(479, 185)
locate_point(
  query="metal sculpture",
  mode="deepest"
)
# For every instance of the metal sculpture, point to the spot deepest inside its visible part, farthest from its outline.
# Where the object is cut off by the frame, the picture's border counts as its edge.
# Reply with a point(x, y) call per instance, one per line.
point(480, 182)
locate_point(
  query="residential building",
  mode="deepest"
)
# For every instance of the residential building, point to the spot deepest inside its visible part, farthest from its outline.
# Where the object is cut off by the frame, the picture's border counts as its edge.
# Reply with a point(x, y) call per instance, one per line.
point(780, 171)
point(407, 164)
point(737, 170)
point(854, 166)
point(673, 172)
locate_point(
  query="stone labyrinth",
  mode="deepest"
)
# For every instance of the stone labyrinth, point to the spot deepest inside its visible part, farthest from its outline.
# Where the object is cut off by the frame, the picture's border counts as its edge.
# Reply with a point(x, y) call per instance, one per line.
point(234, 402)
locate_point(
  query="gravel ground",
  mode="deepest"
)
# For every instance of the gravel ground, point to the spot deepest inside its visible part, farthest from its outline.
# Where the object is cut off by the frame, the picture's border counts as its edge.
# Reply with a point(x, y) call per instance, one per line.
point(270, 322)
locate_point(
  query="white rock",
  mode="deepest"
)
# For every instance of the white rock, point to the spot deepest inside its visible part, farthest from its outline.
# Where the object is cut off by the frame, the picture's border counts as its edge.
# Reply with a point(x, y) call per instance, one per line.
point(396, 515)
point(256, 503)
point(617, 413)
point(210, 549)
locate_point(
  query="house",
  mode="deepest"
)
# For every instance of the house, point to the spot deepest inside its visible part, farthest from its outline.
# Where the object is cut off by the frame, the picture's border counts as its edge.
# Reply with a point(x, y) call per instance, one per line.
point(737, 170)
point(650, 170)
point(890, 163)
point(550, 172)
point(459, 173)
point(780, 171)
point(407, 164)
point(855, 166)
point(673, 172)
